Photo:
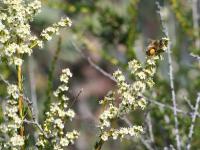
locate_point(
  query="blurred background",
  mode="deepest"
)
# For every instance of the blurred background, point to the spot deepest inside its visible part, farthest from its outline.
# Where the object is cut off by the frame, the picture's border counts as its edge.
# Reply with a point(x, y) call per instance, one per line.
point(111, 33)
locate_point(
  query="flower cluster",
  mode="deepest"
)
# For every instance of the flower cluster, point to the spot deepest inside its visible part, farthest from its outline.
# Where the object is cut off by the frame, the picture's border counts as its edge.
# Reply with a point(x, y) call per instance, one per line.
point(9, 129)
point(131, 96)
point(56, 118)
point(16, 38)
point(115, 133)
point(54, 29)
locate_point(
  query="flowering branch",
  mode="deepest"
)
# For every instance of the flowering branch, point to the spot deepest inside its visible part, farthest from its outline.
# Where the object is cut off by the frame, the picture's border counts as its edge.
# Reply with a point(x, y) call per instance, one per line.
point(131, 96)
point(56, 117)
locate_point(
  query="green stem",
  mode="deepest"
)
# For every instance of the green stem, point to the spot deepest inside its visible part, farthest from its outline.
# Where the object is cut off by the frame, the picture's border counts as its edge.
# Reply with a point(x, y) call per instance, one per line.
point(99, 144)
point(50, 75)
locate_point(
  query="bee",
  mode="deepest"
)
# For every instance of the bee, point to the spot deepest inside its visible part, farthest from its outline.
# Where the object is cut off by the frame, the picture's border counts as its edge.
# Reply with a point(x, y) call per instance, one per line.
point(157, 47)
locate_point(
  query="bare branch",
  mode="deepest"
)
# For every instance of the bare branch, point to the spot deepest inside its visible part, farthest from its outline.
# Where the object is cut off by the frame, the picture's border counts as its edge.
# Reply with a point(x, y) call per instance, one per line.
point(194, 116)
point(173, 99)
point(76, 98)
point(96, 67)
point(149, 124)
point(37, 125)
point(183, 112)
point(171, 77)
point(189, 103)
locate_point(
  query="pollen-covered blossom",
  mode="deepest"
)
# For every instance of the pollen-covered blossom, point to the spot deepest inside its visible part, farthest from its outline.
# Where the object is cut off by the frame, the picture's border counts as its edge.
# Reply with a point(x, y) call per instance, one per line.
point(15, 32)
point(57, 117)
point(131, 96)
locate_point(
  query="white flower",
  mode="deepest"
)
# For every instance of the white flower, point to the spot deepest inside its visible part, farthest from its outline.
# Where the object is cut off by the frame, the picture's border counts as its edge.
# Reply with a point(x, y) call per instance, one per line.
point(105, 136)
point(65, 98)
point(142, 103)
point(59, 123)
point(17, 61)
point(67, 72)
point(64, 78)
point(40, 43)
point(63, 87)
point(134, 65)
point(56, 93)
point(71, 136)
point(65, 22)
point(115, 135)
point(70, 113)
point(141, 75)
point(151, 62)
point(23, 31)
point(64, 142)
point(139, 86)
point(119, 76)
point(135, 130)
point(61, 113)
point(11, 49)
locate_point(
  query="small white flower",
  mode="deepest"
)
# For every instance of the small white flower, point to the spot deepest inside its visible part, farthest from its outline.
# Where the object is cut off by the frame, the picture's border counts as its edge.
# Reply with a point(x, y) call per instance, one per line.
point(70, 113)
point(105, 136)
point(64, 142)
point(139, 86)
point(115, 135)
point(142, 103)
point(67, 72)
point(141, 75)
point(17, 61)
point(64, 78)
point(59, 123)
point(134, 65)
point(63, 87)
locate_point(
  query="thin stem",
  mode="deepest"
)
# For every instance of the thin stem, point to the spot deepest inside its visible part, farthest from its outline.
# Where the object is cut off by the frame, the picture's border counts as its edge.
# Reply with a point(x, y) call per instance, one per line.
point(171, 77)
point(20, 101)
point(50, 75)
point(37, 125)
point(150, 128)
